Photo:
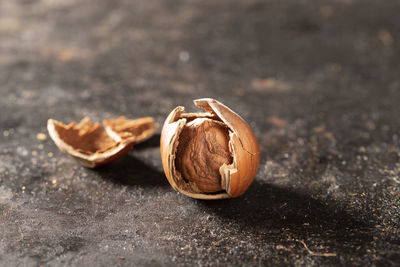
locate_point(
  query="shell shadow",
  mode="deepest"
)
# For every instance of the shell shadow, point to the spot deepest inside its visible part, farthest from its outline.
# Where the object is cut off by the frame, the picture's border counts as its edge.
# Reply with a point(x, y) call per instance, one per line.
point(130, 170)
point(281, 215)
point(152, 142)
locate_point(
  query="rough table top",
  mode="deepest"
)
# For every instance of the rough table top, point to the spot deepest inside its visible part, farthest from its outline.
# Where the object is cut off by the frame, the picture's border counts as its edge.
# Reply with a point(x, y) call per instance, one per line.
point(318, 81)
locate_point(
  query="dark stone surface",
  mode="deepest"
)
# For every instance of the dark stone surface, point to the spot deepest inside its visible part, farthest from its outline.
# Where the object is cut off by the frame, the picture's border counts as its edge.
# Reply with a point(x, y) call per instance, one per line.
point(317, 80)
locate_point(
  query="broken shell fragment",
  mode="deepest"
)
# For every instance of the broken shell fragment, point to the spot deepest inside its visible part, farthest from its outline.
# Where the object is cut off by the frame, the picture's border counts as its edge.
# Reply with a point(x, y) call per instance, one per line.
point(92, 146)
point(210, 155)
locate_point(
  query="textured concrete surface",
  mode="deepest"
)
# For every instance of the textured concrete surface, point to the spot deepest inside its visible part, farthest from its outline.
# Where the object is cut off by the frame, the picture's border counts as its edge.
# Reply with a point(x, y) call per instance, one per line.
point(317, 80)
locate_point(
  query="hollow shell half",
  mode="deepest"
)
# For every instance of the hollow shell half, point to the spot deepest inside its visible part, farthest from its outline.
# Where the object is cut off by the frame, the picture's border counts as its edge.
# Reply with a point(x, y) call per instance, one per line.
point(92, 146)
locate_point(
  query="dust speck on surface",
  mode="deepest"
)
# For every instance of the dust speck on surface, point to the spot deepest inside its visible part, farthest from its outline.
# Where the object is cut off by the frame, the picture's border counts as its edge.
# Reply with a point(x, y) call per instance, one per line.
point(41, 136)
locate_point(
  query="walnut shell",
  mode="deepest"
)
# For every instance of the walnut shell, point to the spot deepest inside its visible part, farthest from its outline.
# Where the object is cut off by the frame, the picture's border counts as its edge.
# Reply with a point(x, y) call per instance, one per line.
point(236, 176)
point(92, 146)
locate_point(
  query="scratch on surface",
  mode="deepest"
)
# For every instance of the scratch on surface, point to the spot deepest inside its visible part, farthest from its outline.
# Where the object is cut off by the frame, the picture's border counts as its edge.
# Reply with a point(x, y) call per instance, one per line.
point(316, 253)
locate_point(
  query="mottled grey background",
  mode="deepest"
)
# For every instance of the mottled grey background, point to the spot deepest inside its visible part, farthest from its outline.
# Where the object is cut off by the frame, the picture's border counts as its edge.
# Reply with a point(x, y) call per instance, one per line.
point(318, 81)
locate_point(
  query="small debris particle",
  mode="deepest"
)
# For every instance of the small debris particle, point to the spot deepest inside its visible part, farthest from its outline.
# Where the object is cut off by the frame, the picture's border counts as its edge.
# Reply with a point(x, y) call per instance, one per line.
point(41, 136)
point(278, 122)
point(319, 129)
point(280, 247)
point(386, 37)
point(67, 55)
point(240, 91)
point(50, 154)
point(185, 247)
point(6, 133)
point(316, 253)
point(34, 153)
point(267, 84)
point(335, 67)
point(326, 11)
point(184, 56)
point(22, 151)
point(371, 126)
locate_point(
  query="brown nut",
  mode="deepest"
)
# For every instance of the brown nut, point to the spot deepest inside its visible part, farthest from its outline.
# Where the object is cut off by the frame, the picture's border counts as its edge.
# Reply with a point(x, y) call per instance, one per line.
point(210, 155)
point(92, 146)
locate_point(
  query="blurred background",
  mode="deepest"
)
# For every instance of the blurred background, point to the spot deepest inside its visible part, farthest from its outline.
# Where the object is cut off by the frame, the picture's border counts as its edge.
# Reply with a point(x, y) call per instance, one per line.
point(317, 80)
point(320, 58)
